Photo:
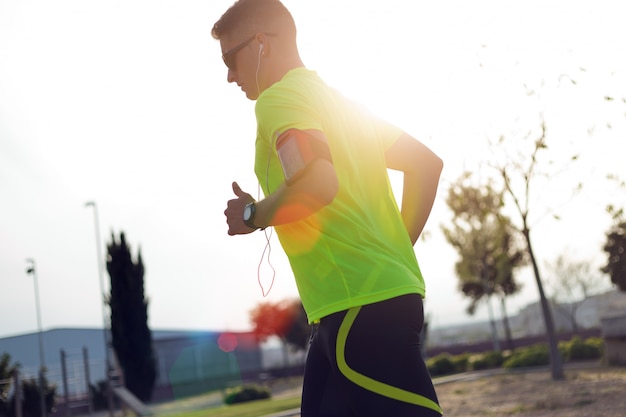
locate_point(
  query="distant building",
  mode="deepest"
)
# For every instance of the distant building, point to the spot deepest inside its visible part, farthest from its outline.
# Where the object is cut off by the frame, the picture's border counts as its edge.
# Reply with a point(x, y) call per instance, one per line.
point(24, 349)
point(587, 313)
point(529, 321)
point(191, 363)
point(188, 362)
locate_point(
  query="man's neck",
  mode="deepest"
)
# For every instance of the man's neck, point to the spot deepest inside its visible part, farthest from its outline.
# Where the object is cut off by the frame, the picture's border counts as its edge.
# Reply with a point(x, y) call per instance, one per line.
point(283, 66)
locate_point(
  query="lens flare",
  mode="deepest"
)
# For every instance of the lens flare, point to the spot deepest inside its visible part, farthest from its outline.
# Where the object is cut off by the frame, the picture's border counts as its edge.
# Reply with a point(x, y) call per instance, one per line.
point(227, 342)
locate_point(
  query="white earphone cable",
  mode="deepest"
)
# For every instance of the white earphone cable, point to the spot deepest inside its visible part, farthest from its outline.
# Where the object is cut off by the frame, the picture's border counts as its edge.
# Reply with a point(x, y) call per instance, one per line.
point(268, 234)
point(258, 66)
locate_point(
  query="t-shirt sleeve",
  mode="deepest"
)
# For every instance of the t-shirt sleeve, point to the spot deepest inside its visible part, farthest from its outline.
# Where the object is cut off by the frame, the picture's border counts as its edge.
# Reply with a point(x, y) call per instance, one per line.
point(278, 111)
point(387, 132)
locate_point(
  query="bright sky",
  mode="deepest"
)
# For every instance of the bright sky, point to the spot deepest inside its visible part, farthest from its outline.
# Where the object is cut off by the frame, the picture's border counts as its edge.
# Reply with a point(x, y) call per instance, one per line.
point(126, 103)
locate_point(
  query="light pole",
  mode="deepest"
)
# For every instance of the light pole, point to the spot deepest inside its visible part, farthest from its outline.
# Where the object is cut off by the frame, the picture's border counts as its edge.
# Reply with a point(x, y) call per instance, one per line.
point(107, 366)
point(30, 270)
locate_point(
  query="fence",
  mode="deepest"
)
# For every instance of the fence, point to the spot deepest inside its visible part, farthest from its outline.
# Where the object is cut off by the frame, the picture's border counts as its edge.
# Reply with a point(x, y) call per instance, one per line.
point(76, 382)
point(14, 389)
point(71, 376)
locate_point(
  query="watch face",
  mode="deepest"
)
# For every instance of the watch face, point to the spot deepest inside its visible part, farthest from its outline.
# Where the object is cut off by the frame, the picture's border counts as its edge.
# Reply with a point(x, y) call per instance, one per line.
point(247, 212)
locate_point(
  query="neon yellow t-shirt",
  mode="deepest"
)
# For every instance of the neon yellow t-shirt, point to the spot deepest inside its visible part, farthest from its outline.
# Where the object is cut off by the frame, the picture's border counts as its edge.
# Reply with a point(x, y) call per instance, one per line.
point(356, 250)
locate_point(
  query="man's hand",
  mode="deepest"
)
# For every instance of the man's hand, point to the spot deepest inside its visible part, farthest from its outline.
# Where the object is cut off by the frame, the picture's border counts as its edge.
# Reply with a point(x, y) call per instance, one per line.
point(234, 212)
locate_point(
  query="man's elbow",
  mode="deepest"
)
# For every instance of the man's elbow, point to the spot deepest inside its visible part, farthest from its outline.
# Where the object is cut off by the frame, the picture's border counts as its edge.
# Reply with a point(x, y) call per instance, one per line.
point(437, 164)
point(429, 165)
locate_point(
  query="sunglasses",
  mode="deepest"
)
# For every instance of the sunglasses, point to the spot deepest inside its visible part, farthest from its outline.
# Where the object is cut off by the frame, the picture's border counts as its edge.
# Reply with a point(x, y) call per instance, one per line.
point(229, 57)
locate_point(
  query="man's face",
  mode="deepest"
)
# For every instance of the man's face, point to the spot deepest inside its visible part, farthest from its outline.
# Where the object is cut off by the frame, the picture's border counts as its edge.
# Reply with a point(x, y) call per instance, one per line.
point(241, 59)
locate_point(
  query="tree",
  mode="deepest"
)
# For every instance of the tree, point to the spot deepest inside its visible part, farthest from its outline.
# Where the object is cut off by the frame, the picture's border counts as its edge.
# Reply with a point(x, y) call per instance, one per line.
point(485, 241)
point(272, 319)
point(131, 337)
point(299, 333)
point(279, 319)
point(7, 371)
point(31, 404)
point(572, 283)
point(518, 174)
point(30, 391)
point(615, 248)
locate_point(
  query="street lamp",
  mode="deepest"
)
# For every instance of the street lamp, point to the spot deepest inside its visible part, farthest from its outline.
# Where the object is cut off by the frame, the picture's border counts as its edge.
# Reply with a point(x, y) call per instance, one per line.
point(107, 367)
point(30, 270)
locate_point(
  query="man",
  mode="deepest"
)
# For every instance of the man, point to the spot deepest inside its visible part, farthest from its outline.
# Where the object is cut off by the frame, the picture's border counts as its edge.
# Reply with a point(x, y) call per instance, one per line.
point(322, 164)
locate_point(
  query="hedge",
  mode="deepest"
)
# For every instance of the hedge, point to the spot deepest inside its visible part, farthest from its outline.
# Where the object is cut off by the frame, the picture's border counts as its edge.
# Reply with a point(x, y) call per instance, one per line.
point(245, 393)
point(535, 355)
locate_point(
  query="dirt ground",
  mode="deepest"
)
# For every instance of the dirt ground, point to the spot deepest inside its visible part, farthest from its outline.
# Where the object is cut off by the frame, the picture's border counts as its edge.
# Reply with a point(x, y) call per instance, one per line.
point(586, 391)
point(592, 392)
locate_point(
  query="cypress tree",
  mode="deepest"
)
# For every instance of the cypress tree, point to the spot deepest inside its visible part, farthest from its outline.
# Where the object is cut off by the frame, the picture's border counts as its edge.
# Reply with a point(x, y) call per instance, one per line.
point(131, 337)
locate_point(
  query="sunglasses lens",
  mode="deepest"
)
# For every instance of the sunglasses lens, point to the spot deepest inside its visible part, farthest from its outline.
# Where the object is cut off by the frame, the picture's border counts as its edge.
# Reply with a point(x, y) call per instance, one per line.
point(230, 55)
point(229, 62)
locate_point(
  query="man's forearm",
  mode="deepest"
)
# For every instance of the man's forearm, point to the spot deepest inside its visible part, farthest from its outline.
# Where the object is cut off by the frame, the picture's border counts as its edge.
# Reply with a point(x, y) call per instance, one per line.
point(418, 197)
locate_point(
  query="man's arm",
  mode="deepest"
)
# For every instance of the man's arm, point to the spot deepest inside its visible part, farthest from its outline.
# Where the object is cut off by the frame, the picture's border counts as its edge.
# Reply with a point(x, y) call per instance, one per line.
point(421, 168)
point(313, 190)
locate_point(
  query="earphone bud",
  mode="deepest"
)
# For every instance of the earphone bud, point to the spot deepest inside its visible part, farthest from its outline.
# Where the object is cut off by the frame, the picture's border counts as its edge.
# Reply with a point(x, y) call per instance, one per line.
point(260, 47)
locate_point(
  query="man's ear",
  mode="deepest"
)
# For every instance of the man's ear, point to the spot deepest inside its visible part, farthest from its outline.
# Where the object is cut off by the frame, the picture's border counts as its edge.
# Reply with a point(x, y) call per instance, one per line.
point(263, 44)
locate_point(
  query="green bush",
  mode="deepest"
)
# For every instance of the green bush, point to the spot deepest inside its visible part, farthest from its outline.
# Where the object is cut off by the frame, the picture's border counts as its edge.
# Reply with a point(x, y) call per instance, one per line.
point(596, 342)
point(31, 396)
point(536, 355)
point(441, 364)
point(247, 393)
point(577, 349)
point(461, 362)
point(487, 360)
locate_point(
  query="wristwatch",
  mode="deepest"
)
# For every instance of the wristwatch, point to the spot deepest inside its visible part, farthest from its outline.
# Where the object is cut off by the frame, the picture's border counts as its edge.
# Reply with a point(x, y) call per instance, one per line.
point(248, 215)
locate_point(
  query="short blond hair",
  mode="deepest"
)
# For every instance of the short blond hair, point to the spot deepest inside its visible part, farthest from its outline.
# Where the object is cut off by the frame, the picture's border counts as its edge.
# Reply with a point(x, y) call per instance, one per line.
point(252, 16)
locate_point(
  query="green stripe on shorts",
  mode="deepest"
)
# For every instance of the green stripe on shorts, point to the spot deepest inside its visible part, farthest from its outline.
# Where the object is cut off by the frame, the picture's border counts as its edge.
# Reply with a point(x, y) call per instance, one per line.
point(371, 384)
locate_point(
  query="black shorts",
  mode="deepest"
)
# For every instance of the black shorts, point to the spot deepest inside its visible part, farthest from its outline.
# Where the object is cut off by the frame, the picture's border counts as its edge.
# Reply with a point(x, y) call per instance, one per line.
point(367, 361)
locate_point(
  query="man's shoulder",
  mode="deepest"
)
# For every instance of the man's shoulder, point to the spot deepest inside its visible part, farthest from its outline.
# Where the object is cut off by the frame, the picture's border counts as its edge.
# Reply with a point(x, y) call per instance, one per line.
point(300, 78)
point(292, 86)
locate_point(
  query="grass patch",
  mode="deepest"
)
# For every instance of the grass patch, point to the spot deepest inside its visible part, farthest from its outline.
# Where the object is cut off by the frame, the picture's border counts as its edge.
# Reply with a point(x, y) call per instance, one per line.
point(248, 409)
